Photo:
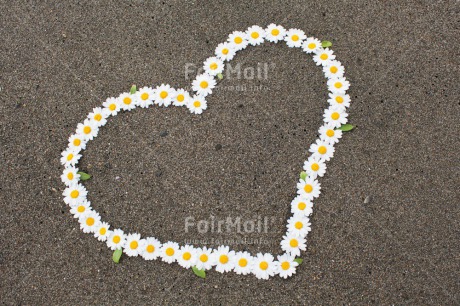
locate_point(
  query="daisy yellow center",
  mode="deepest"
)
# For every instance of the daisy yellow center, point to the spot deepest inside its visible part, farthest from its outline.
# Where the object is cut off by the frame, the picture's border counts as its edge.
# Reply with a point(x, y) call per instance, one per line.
point(127, 100)
point(170, 251)
point(223, 259)
point(102, 231)
point(76, 142)
point(144, 96)
point(311, 46)
point(243, 262)
point(133, 245)
point(335, 116)
point(116, 239)
point(294, 243)
point(187, 256)
point(87, 130)
point(238, 40)
point(225, 51)
point(333, 69)
point(81, 209)
point(315, 167)
point(330, 133)
point(98, 117)
point(90, 221)
point(112, 107)
point(302, 205)
point(323, 56)
point(70, 156)
point(70, 176)
point(197, 103)
point(263, 265)
point(285, 265)
point(163, 94)
point(213, 66)
point(275, 32)
point(308, 188)
point(298, 225)
point(150, 248)
point(74, 194)
point(295, 37)
point(204, 84)
point(180, 98)
point(204, 257)
point(322, 150)
point(339, 99)
point(338, 85)
point(255, 35)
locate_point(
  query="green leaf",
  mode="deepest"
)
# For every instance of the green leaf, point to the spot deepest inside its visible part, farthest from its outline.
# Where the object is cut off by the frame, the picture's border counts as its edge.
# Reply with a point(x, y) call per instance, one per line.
point(198, 272)
point(133, 89)
point(220, 76)
point(298, 260)
point(303, 175)
point(84, 176)
point(117, 255)
point(346, 127)
point(326, 43)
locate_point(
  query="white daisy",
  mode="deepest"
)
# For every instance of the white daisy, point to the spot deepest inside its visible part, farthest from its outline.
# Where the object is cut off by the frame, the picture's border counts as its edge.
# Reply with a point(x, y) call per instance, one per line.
point(205, 259)
point(116, 240)
point(69, 157)
point(333, 69)
point(242, 263)
point(339, 99)
point(89, 221)
point(149, 248)
point(286, 265)
point(301, 206)
point(338, 85)
point(144, 97)
point(322, 150)
point(181, 97)
point(223, 258)
point(213, 66)
point(274, 33)
point(112, 106)
point(335, 116)
point(79, 209)
point(264, 266)
point(132, 245)
point(127, 101)
point(203, 84)
point(314, 167)
point(88, 129)
point(293, 245)
point(163, 95)
point(328, 134)
point(323, 56)
point(238, 40)
point(70, 176)
point(310, 188)
point(197, 104)
point(294, 38)
point(225, 51)
point(187, 256)
point(311, 45)
point(99, 116)
point(168, 251)
point(255, 35)
point(102, 231)
point(74, 194)
point(299, 226)
point(77, 142)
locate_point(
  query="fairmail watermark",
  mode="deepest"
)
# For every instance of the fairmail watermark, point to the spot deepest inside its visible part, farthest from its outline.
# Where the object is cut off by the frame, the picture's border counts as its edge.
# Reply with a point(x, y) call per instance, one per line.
point(261, 71)
point(255, 224)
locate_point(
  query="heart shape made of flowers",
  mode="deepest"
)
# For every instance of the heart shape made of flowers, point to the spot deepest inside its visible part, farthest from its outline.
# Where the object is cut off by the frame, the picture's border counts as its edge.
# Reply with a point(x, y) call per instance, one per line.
point(222, 258)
